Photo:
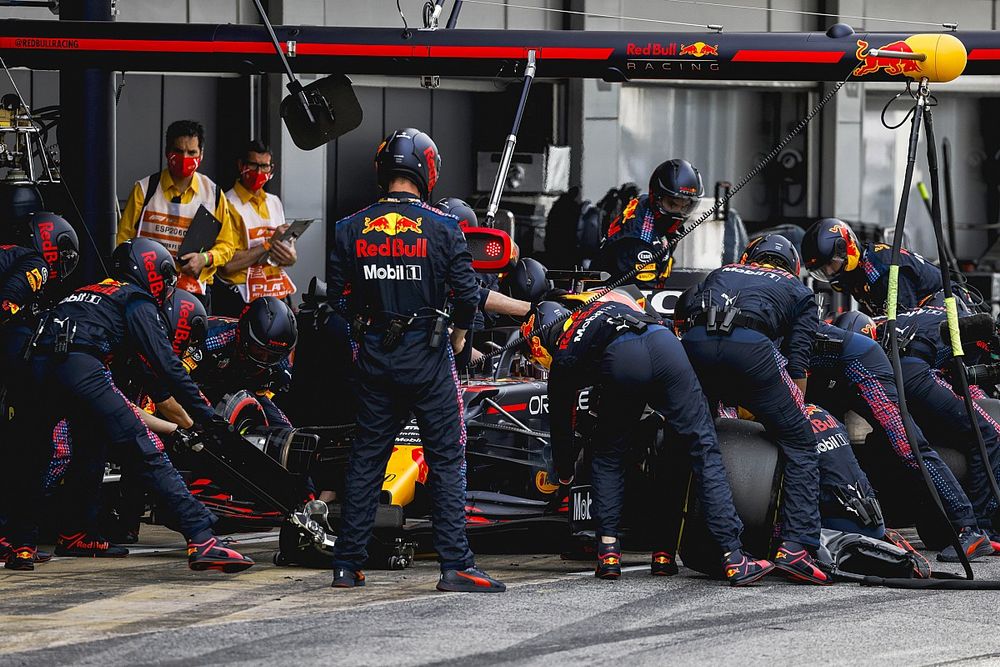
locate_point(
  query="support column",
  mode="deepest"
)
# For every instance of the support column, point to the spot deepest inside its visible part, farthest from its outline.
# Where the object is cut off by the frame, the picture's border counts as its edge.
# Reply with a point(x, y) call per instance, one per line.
point(87, 144)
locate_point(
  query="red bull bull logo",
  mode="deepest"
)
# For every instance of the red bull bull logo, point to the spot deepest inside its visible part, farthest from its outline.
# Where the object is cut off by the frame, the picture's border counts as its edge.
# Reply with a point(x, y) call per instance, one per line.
point(699, 50)
point(391, 224)
point(893, 66)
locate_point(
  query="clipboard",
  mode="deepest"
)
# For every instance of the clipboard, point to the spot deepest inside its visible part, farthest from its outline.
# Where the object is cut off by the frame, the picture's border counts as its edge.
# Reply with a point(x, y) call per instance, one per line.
point(296, 228)
point(201, 234)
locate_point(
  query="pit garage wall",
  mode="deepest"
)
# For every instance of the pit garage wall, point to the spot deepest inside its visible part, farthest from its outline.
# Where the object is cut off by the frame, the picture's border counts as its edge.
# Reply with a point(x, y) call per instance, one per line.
point(618, 132)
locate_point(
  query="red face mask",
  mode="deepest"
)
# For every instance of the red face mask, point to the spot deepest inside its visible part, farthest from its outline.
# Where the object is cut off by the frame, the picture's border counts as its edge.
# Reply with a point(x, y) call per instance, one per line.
point(253, 180)
point(181, 166)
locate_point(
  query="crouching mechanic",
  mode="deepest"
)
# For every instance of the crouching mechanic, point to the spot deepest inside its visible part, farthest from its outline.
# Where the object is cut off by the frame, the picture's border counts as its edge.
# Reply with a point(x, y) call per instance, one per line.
point(846, 498)
point(31, 274)
point(68, 376)
point(832, 254)
point(632, 362)
point(849, 370)
point(941, 414)
point(250, 353)
point(405, 363)
point(736, 316)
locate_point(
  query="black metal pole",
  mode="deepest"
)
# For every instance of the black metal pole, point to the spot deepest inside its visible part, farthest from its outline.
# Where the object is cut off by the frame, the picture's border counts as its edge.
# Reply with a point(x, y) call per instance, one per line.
point(453, 17)
point(949, 200)
point(897, 370)
point(86, 138)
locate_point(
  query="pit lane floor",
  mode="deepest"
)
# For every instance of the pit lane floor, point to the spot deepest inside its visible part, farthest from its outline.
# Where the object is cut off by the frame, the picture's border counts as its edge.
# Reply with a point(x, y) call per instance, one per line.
point(150, 609)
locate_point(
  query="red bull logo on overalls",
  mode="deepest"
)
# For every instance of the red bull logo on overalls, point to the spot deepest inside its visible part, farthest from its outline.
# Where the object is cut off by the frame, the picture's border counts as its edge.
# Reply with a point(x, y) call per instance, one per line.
point(391, 224)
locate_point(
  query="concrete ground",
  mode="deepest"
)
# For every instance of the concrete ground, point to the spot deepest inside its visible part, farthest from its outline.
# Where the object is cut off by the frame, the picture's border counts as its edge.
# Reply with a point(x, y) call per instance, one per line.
point(150, 609)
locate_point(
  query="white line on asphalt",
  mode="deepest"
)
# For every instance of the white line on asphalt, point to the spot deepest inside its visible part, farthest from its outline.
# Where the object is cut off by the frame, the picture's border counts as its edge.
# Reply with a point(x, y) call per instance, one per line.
point(630, 568)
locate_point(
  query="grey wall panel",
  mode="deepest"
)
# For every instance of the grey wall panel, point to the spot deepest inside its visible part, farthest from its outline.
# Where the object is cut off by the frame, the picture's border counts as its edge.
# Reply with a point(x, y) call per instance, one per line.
point(451, 128)
point(407, 108)
point(22, 79)
point(194, 97)
point(303, 194)
point(139, 129)
point(305, 12)
point(733, 19)
point(44, 88)
point(215, 11)
point(354, 171)
point(168, 11)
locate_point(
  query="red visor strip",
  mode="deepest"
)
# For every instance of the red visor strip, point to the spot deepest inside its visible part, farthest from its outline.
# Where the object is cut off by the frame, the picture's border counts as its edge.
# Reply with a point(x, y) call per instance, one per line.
point(984, 54)
point(768, 56)
point(303, 49)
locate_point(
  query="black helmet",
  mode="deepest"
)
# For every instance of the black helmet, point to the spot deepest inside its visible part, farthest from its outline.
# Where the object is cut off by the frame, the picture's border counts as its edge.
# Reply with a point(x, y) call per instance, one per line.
point(858, 322)
point(527, 281)
point(186, 320)
point(830, 249)
point(145, 263)
point(460, 209)
point(675, 189)
point(541, 330)
point(55, 240)
point(267, 332)
point(17, 202)
point(773, 249)
point(412, 154)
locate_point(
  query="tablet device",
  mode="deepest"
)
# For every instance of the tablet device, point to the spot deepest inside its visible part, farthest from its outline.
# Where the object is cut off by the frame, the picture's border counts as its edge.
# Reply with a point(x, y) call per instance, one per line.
point(296, 228)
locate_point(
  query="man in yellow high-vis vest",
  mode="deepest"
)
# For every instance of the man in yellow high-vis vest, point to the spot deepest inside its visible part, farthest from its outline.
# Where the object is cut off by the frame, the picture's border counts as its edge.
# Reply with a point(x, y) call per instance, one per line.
point(162, 206)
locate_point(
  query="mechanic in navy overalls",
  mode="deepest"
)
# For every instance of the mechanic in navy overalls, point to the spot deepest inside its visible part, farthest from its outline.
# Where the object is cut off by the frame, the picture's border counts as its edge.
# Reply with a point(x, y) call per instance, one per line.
point(31, 274)
point(832, 254)
point(736, 318)
point(403, 260)
point(849, 370)
point(941, 414)
point(69, 377)
point(652, 219)
point(632, 361)
point(250, 353)
point(847, 500)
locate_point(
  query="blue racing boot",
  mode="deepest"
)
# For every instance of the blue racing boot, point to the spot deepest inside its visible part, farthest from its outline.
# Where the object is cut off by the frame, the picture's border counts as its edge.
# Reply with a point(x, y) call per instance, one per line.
point(974, 542)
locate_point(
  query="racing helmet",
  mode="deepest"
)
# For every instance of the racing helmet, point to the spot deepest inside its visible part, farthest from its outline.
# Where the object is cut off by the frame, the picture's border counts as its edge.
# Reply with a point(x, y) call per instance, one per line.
point(858, 322)
point(52, 237)
point(267, 332)
point(146, 263)
point(830, 249)
point(186, 320)
point(541, 330)
point(460, 209)
point(527, 281)
point(675, 189)
point(773, 249)
point(411, 154)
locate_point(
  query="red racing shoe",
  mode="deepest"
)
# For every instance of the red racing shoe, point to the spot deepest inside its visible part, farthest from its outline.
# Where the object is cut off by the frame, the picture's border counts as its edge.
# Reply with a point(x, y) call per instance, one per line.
point(797, 564)
point(83, 545)
point(743, 570)
point(609, 560)
point(22, 558)
point(469, 580)
point(663, 565)
point(215, 555)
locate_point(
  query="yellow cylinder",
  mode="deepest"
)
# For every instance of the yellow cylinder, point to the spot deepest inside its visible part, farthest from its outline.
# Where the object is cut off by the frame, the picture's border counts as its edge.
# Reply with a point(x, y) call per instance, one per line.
point(946, 57)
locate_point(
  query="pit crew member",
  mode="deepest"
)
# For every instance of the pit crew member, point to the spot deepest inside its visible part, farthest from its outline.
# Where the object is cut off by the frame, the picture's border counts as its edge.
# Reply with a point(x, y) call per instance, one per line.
point(402, 259)
point(737, 317)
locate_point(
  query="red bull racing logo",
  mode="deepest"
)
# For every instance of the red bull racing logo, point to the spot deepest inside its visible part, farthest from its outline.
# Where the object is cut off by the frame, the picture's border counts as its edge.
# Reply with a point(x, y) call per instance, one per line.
point(183, 332)
point(893, 66)
point(699, 50)
point(391, 224)
point(152, 274)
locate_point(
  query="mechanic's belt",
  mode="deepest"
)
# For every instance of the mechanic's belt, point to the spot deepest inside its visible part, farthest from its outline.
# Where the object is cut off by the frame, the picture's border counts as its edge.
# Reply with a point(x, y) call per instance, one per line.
point(724, 321)
point(917, 353)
